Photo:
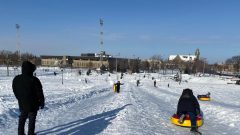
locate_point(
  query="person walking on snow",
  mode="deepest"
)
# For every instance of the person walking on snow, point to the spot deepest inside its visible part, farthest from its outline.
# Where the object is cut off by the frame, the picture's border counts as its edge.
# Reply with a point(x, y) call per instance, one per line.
point(188, 104)
point(154, 83)
point(118, 86)
point(138, 82)
point(28, 91)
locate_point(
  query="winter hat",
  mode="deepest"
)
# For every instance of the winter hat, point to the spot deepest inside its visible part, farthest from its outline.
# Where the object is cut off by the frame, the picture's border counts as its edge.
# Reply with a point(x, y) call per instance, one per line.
point(187, 93)
point(28, 68)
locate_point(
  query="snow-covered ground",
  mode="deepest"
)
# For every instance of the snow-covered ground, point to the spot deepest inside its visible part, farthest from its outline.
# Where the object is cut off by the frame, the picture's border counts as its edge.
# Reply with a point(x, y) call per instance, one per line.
point(80, 108)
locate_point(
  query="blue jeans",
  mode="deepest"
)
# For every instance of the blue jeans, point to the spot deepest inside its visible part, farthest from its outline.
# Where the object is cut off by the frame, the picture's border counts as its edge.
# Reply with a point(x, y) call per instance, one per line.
point(193, 119)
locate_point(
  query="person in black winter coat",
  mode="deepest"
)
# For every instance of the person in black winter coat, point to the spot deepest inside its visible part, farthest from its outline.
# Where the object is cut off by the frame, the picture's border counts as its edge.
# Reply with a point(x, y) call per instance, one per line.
point(188, 104)
point(28, 91)
point(118, 86)
point(138, 82)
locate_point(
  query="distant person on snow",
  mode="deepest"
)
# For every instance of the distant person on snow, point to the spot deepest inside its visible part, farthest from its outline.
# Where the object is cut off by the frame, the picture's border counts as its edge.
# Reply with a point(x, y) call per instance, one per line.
point(138, 82)
point(118, 86)
point(121, 75)
point(154, 83)
point(28, 91)
point(204, 96)
point(80, 72)
point(188, 104)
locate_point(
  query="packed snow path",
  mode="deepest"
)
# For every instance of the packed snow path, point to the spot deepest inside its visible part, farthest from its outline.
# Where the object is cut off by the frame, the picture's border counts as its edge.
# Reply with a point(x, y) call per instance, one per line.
point(80, 108)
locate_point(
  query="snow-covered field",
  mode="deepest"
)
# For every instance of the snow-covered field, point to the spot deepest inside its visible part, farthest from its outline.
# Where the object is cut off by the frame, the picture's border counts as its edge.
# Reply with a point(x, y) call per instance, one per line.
point(80, 108)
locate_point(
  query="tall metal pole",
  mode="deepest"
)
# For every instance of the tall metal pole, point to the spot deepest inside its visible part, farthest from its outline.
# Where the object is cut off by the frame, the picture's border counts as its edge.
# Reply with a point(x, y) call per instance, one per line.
point(117, 61)
point(18, 43)
point(7, 65)
point(204, 66)
point(62, 76)
point(116, 64)
point(101, 41)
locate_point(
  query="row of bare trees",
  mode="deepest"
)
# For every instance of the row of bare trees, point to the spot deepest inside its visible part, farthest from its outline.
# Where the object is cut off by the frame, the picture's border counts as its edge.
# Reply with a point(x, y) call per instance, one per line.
point(235, 62)
point(14, 58)
point(154, 64)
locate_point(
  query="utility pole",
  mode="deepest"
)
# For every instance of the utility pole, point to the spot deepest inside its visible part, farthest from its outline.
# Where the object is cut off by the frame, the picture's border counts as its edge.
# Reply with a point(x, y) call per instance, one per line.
point(18, 43)
point(7, 65)
point(62, 75)
point(204, 65)
point(117, 65)
point(117, 61)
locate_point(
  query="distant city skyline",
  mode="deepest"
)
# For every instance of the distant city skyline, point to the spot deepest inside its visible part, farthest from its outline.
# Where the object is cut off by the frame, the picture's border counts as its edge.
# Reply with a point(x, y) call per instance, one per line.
point(133, 28)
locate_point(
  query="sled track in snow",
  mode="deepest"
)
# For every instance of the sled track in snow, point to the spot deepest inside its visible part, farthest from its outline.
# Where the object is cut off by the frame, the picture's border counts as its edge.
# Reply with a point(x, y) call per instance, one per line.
point(63, 102)
point(73, 98)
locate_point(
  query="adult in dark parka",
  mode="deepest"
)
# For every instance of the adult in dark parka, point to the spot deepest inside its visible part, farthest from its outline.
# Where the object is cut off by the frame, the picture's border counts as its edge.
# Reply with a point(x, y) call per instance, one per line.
point(188, 104)
point(138, 82)
point(28, 91)
point(118, 86)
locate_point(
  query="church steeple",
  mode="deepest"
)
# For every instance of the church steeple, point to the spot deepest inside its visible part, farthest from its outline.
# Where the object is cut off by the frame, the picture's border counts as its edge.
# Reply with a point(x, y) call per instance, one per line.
point(197, 54)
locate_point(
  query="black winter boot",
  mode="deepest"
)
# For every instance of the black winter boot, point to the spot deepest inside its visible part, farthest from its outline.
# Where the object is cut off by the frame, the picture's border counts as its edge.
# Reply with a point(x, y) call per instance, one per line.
point(194, 129)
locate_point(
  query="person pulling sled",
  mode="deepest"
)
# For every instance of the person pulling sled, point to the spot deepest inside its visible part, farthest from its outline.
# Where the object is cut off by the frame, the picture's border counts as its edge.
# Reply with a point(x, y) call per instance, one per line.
point(118, 86)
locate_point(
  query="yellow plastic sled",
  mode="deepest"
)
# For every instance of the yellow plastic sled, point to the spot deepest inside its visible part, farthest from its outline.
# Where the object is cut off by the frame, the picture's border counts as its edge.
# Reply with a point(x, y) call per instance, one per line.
point(187, 121)
point(114, 88)
point(203, 97)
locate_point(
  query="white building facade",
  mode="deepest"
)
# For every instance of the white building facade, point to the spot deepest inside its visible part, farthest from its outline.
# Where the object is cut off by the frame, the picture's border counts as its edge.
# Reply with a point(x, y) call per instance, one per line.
point(185, 58)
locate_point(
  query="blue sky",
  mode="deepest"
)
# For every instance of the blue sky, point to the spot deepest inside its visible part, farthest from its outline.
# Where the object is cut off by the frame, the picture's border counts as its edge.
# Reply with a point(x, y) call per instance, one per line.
point(133, 28)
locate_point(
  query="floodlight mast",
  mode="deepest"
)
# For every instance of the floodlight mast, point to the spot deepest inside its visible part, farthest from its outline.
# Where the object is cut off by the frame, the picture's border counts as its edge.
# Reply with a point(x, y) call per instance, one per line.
point(18, 43)
point(101, 42)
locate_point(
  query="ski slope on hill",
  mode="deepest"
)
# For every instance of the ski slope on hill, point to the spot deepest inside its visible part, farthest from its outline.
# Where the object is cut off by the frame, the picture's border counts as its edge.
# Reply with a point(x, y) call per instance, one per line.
point(79, 108)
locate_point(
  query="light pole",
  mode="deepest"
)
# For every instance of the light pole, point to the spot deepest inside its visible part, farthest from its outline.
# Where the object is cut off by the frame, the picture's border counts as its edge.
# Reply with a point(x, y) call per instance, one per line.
point(7, 65)
point(117, 64)
point(18, 43)
point(117, 61)
point(101, 42)
point(62, 76)
point(204, 59)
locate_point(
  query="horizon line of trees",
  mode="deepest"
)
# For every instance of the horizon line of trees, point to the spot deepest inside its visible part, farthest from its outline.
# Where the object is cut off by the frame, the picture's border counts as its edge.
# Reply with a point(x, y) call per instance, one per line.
point(153, 64)
point(10, 58)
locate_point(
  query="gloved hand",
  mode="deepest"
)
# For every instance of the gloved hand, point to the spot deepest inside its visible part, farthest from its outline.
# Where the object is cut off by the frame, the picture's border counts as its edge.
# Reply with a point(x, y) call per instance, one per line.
point(41, 105)
point(198, 111)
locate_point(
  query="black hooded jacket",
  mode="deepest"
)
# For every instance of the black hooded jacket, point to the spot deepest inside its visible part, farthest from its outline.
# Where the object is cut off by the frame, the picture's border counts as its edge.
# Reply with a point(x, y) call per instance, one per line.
point(28, 89)
point(188, 103)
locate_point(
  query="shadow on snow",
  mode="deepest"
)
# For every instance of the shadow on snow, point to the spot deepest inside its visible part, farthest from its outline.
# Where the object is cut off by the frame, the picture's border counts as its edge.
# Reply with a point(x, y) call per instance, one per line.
point(88, 126)
point(229, 106)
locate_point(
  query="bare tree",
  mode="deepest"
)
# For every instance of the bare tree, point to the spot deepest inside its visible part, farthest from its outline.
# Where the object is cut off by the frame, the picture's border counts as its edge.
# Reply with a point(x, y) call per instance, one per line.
point(144, 65)
point(235, 61)
point(155, 62)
